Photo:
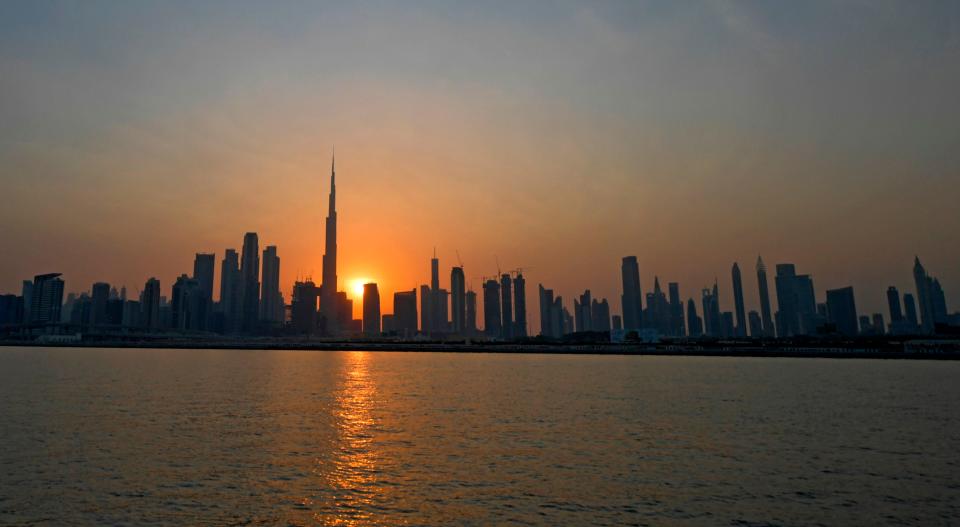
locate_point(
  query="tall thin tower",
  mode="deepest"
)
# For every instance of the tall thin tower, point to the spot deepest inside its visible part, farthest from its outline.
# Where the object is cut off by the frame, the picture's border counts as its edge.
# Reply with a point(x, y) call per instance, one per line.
point(768, 330)
point(328, 288)
point(741, 329)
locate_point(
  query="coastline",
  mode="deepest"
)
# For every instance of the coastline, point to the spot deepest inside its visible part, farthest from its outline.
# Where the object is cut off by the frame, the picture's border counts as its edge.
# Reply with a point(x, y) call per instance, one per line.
point(907, 350)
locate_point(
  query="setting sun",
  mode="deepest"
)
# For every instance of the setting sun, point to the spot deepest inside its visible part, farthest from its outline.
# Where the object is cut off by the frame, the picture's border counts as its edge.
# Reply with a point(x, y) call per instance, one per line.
point(356, 286)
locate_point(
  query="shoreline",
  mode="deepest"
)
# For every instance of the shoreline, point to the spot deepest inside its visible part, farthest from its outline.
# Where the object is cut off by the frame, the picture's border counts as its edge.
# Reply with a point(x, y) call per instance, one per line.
point(893, 351)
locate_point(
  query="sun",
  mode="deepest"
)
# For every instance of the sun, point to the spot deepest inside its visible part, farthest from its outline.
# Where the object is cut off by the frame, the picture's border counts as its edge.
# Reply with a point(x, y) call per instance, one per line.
point(356, 286)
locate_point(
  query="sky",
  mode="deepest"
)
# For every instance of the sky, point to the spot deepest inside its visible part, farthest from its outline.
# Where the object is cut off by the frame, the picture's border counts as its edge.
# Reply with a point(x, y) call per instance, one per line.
point(556, 137)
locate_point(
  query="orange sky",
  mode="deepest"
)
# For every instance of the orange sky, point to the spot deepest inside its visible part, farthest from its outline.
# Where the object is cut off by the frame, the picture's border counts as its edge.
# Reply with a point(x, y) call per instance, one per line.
point(691, 136)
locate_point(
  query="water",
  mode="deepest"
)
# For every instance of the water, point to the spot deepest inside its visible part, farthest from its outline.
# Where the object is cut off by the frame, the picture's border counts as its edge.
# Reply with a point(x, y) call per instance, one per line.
point(178, 437)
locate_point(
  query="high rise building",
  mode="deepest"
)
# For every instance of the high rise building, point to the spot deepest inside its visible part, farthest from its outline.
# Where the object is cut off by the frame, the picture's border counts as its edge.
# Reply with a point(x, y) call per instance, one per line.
point(27, 300)
point(768, 328)
point(99, 295)
point(631, 302)
point(740, 311)
point(893, 303)
point(271, 300)
point(203, 264)
point(491, 309)
point(924, 297)
point(712, 318)
point(426, 309)
point(797, 303)
point(231, 304)
point(938, 302)
point(756, 325)
point(250, 282)
point(694, 322)
point(910, 308)
point(11, 310)
point(438, 315)
point(405, 313)
point(303, 307)
point(471, 313)
point(600, 312)
point(506, 306)
point(150, 304)
point(582, 313)
point(458, 294)
point(677, 327)
point(546, 305)
point(371, 310)
point(330, 308)
point(46, 299)
point(519, 306)
point(842, 311)
point(185, 304)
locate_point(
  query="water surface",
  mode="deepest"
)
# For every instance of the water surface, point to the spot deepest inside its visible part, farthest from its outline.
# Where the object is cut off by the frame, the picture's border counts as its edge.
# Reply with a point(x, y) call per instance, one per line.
point(220, 437)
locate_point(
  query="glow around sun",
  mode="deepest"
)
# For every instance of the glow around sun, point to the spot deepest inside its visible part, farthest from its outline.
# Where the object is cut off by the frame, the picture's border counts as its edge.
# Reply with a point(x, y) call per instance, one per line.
point(356, 286)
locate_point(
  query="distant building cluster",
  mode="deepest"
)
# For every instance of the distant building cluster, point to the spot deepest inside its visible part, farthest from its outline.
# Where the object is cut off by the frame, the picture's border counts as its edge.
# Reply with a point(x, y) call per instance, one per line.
point(251, 304)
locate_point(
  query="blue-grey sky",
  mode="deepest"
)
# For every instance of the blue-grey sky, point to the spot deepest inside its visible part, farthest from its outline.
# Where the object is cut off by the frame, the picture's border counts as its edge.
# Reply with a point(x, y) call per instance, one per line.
point(558, 136)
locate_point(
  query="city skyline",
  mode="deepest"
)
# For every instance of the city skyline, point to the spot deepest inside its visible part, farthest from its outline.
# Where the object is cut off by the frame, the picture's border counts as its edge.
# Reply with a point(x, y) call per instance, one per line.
point(251, 303)
point(692, 136)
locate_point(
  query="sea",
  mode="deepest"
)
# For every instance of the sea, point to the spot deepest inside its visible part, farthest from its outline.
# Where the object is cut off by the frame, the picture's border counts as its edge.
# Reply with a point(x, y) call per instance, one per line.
point(229, 437)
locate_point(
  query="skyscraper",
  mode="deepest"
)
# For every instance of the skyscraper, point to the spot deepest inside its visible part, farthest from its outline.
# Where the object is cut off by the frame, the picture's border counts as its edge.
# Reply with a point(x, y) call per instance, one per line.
point(600, 312)
point(185, 304)
point(766, 317)
point(458, 300)
point(520, 306)
point(329, 305)
point(741, 329)
point(631, 302)
point(150, 304)
point(842, 311)
point(27, 299)
point(756, 325)
point(546, 303)
point(893, 303)
point(677, 327)
point(47, 299)
point(506, 306)
point(910, 308)
point(437, 315)
point(491, 309)
point(271, 301)
point(712, 318)
point(405, 313)
point(231, 304)
point(470, 327)
point(694, 322)
point(583, 316)
point(426, 309)
point(250, 282)
point(371, 310)
point(303, 307)
point(203, 273)
point(99, 295)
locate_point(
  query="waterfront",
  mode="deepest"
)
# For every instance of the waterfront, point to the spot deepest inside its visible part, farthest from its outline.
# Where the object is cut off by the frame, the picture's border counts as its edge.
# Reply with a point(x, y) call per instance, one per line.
point(140, 436)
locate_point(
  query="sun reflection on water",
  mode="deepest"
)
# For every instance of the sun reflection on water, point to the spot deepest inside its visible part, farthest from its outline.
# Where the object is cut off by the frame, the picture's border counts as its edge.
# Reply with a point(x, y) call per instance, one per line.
point(354, 474)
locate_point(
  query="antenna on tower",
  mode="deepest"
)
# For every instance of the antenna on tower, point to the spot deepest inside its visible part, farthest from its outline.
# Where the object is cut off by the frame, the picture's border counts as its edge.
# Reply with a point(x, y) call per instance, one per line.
point(497, 258)
point(459, 261)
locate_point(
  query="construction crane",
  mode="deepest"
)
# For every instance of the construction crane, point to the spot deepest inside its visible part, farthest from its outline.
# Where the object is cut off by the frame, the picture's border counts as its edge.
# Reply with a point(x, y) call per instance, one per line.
point(519, 271)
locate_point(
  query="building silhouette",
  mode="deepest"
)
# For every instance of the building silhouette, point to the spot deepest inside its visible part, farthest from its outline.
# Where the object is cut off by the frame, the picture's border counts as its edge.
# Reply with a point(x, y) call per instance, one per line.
point(910, 309)
point(766, 317)
point(203, 264)
point(185, 304)
point(519, 306)
point(426, 308)
point(842, 311)
point(458, 299)
point(893, 304)
point(250, 283)
point(471, 313)
point(506, 306)
point(712, 319)
point(304, 308)
point(150, 304)
point(371, 310)
point(231, 303)
point(46, 299)
point(600, 313)
point(756, 324)
point(491, 309)
point(271, 300)
point(99, 296)
point(331, 307)
point(739, 310)
point(583, 316)
point(677, 326)
point(405, 313)
point(631, 299)
point(694, 322)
